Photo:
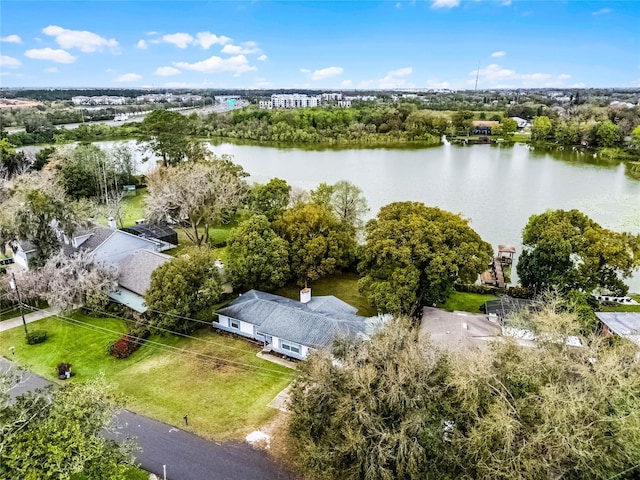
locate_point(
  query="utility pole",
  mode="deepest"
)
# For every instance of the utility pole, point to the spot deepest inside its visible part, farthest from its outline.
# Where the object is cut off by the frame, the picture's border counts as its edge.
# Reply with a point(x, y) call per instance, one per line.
point(14, 286)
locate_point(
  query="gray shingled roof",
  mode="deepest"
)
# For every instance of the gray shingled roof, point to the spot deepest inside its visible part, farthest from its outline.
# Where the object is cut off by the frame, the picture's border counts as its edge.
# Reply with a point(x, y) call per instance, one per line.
point(315, 324)
point(135, 270)
point(98, 235)
point(625, 324)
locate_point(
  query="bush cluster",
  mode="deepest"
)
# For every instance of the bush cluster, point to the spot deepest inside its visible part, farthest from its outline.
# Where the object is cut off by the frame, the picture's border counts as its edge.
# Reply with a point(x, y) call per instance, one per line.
point(517, 292)
point(36, 336)
point(129, 343)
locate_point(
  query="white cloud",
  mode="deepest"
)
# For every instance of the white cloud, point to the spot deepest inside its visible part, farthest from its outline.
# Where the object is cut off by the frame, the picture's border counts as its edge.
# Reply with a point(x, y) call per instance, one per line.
point(238, 65)
point(247, 49)
point(602, 11)
point(142, 45)
point(55, 55)
point(499, 54)
point(7, 61)
point(51, 70)
point(494, 76)
point(305, 70)
point(180, 40)
point(128, 77)
point(445, 3)
point(166, 71)
point(346, 83)
point(86, 41)
point(324, 73)
point(394, 78)
point(206, 39)
point(262, 57)
point(391, 80)
point(11, 39)
point(262, 83)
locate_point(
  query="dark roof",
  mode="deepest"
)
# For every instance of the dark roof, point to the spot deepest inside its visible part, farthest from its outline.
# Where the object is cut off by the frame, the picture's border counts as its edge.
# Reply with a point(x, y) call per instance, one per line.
point(315, 324)
point(506, 305)
point(135, 270)
point(98, 235)
point(151, 231)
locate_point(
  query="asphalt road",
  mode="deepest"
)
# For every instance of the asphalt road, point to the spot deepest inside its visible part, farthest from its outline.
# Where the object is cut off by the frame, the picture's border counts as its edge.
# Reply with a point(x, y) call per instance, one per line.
point(186, 456)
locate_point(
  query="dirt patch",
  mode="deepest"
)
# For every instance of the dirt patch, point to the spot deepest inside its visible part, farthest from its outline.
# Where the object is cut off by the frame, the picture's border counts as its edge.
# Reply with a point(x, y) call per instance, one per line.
point(14, 103)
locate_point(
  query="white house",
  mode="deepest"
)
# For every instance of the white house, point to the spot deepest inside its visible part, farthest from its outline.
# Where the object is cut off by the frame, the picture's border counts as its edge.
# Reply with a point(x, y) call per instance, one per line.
point(290, 327)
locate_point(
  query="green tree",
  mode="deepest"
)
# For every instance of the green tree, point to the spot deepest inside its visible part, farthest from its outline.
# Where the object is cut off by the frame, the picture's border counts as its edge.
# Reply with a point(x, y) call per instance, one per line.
point(322, 195)
point(506, 129)
point(608, 134)
point(414, 254)
point(462, 120)
point(319, 244)
point(270, 199)
point(257, 256)
point(12, 163)
point(541, 128)
point(635, 138)
point(551, 411)
point(189, 286)
point(168, 134)
point(568, 250)
point(42, 157)
point(348, 203)
point(60, 434)
point(376, 413)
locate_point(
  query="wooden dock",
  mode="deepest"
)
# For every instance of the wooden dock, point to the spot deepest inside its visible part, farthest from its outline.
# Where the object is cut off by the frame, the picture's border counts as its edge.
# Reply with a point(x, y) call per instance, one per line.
point(495, 274)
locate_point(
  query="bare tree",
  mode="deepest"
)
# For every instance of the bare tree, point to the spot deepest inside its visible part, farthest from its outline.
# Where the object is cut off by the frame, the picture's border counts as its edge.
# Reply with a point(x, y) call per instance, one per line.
point(194, 196)
point(68, 282)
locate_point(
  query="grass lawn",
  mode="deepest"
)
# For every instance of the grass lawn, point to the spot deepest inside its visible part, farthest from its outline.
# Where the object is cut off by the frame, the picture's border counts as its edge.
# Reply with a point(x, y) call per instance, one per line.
point(466, 302)
point(343, 286)
point(134, 207)
point(623, 308)
point(223, 401)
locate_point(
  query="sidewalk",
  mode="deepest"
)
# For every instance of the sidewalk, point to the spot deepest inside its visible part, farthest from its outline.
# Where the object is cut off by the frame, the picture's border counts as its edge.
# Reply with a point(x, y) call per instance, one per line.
point(29, 318)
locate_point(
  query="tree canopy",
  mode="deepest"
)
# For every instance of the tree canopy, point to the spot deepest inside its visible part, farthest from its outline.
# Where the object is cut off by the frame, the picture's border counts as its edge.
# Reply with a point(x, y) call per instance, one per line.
point(195, 195)
point(413, 255)
point(319, 244)
point(168, 134)
point(189, 286)
point(398, 407)
point(568, 250)
point(60, 434)
point(270, 199)
point(257, 256)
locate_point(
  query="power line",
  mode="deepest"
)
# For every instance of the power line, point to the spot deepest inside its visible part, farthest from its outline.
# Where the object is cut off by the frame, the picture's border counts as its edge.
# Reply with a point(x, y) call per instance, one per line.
point(162, 346)
point(170, 331)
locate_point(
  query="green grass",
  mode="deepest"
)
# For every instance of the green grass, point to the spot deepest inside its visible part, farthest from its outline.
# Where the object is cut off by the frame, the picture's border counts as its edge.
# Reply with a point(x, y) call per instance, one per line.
point(134, 207)
point(623, 308)
point(343, 286)
point(223, 401)
point(466, 302)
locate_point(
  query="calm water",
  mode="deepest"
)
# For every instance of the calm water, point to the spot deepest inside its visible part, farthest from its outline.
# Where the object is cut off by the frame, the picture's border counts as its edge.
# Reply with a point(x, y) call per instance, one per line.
point(496, 188)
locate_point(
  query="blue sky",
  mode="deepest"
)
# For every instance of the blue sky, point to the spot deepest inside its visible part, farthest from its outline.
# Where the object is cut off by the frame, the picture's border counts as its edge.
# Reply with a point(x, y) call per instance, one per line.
point(327, 45)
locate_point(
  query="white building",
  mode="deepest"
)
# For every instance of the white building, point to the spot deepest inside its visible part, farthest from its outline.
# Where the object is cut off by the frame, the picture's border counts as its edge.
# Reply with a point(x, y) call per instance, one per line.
point(99, 100)
point(290, 100)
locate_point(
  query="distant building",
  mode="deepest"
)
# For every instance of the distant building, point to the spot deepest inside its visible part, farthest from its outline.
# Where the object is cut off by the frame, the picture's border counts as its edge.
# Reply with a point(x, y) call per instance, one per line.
point(522, 123)
point(98, 100)
point(329, 97)
point(483, 127)
point(290, 100)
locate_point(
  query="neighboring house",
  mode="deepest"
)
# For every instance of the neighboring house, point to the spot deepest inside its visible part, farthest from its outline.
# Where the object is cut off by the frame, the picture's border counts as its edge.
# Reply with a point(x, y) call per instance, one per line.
point(458, 331)
point(483, 127)
point(134, 277)
point(522, 123)
point(23, 252)
point(290, 327)
point(624, 324)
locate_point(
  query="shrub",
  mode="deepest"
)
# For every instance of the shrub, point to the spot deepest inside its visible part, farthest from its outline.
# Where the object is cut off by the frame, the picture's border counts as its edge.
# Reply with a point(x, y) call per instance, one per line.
point(36, 336)
point(129, 343)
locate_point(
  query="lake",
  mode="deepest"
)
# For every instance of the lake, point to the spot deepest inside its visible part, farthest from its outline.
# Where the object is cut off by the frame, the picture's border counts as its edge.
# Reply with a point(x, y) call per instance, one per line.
point(497, 188)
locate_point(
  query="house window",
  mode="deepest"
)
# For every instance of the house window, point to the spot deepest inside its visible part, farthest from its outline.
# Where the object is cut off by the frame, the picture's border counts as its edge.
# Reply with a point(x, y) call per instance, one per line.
point(290, 347)
point(234, 324)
